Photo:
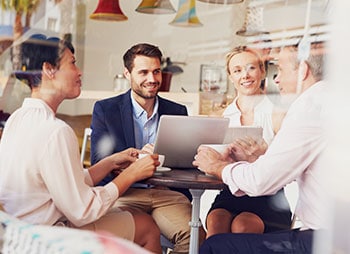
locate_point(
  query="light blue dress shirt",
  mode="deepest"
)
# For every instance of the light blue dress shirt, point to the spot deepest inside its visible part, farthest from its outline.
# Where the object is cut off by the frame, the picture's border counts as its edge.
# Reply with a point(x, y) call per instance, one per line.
point(145, 129)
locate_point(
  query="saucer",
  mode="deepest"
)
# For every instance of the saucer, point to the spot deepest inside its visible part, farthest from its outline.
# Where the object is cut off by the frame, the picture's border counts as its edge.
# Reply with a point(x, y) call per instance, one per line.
point(163, 169)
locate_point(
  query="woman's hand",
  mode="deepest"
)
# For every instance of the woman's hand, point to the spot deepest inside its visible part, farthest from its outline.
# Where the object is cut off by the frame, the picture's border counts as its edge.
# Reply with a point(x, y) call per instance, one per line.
point(137, 171)
point(144, 167)
point(114, 163)
point(124, 158)
point(148, 148)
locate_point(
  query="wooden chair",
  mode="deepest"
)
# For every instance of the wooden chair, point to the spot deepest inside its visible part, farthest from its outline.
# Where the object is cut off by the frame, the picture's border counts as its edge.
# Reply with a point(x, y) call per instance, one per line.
point(84, 146)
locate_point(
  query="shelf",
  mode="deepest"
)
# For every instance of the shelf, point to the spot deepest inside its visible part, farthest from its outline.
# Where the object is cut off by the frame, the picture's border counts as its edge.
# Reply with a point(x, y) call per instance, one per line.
point(83, 105)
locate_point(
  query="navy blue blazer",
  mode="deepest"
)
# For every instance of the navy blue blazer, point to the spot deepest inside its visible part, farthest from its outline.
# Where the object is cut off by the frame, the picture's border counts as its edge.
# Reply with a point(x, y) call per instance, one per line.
point(112, 124)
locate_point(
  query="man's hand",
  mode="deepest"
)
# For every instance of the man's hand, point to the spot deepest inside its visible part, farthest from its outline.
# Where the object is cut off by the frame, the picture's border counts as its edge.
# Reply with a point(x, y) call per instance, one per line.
point(247, 149)
point(210, 161)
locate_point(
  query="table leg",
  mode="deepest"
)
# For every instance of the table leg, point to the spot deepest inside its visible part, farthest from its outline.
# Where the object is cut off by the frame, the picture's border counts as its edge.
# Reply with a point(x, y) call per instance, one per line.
point(195, 222)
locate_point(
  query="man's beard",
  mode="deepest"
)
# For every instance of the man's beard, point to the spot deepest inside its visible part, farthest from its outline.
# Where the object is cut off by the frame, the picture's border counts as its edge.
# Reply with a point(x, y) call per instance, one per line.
point(139, 91)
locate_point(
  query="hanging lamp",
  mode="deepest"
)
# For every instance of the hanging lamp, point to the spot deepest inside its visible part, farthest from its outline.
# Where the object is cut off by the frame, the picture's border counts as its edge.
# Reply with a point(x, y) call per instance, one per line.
point(172, 67)
point(254, 22)
point(186, 14)
point(155, 7)
point(108, 10)
point(222, 1)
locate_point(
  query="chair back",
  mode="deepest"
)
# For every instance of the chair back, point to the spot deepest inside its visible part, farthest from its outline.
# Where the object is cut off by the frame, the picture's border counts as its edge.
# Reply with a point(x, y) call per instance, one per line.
point(86, 138)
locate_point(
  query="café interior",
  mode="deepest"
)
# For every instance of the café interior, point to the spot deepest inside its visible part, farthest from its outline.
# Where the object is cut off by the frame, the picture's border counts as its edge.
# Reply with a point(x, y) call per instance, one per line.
point(194, 37)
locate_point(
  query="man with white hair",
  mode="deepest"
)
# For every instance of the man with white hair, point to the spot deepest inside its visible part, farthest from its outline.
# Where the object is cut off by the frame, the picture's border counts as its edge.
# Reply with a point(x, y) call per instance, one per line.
point(296, 153)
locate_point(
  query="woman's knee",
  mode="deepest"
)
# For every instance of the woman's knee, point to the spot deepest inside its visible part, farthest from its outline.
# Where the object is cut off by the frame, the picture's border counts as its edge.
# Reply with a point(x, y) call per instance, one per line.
point(218, 217)
point(145, 223)
point(147, 233)
point(247, 222)
point(218, 221)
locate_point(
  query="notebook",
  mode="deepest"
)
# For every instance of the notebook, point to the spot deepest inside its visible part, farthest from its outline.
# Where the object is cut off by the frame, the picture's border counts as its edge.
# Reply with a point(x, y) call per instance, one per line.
point(178, 137)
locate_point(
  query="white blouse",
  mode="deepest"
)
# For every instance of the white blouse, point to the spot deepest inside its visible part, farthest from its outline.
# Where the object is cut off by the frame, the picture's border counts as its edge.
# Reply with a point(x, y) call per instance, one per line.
point(42, 178)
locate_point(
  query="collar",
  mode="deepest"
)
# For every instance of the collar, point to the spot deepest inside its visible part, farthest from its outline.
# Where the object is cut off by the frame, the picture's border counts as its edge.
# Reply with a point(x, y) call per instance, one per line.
point(138, 110)
point(37, 103)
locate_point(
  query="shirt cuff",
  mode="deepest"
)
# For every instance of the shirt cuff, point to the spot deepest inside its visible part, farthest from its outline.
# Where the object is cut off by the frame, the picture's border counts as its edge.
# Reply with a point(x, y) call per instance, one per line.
point(227, 177)
point(87, 177)
point(112, 190)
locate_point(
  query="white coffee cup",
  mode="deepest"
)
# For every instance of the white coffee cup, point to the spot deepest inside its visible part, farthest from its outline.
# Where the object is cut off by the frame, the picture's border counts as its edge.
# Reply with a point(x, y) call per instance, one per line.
point(161, 158)
point(142, 155)
point(221, 148)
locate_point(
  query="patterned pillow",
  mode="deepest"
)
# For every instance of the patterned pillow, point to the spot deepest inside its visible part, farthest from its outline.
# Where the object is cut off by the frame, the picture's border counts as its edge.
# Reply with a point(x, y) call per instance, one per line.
point(21, 237)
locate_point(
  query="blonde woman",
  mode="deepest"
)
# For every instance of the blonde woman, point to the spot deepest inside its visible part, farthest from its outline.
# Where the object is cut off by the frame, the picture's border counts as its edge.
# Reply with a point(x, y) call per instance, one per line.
point(251, 107)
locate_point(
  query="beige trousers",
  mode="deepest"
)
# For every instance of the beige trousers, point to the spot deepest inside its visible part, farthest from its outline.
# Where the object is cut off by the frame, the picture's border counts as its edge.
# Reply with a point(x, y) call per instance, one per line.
point(117, 222)
point(171, 210)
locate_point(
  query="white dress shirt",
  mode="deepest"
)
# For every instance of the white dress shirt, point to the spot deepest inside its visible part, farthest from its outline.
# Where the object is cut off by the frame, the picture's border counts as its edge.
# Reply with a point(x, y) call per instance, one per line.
point(42, 178)
point(296, 153)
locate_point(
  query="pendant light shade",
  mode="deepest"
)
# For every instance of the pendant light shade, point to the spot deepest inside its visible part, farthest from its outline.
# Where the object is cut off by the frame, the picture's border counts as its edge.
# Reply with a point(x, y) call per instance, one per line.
point(253, 23)
point(155, 7)
point(222, 1)
point(186, 14)
point(108, 10)
point(171, 67)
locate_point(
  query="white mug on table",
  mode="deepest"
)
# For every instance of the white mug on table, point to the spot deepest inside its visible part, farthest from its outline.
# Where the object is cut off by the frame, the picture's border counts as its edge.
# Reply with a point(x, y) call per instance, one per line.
point(161, 159)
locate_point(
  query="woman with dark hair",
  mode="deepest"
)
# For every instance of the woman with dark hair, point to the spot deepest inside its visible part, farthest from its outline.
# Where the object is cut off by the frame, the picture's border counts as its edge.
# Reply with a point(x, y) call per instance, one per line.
point(42, 180)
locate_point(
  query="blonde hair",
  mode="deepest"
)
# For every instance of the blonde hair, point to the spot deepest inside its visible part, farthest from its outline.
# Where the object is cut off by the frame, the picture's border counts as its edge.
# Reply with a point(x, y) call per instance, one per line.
point(241, 49)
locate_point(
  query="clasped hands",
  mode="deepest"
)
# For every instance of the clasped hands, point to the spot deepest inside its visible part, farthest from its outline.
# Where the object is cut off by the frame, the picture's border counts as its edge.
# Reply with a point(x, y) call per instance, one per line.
point(127, 157)
point(212, 162)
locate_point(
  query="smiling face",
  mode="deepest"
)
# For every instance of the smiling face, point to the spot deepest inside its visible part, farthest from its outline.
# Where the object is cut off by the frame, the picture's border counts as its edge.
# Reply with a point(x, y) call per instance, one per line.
point(145, 77)
point(246, 73)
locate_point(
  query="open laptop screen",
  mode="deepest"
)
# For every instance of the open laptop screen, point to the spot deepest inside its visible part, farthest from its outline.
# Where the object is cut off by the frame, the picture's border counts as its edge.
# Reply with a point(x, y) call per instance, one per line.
point(178, 137)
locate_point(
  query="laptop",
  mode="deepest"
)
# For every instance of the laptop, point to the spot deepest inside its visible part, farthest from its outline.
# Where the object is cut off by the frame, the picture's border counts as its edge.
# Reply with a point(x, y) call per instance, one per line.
point(178, 137)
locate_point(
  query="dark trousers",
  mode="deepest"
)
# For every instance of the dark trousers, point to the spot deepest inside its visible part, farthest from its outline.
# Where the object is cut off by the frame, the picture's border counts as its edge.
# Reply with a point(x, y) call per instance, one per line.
point(289, 241)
